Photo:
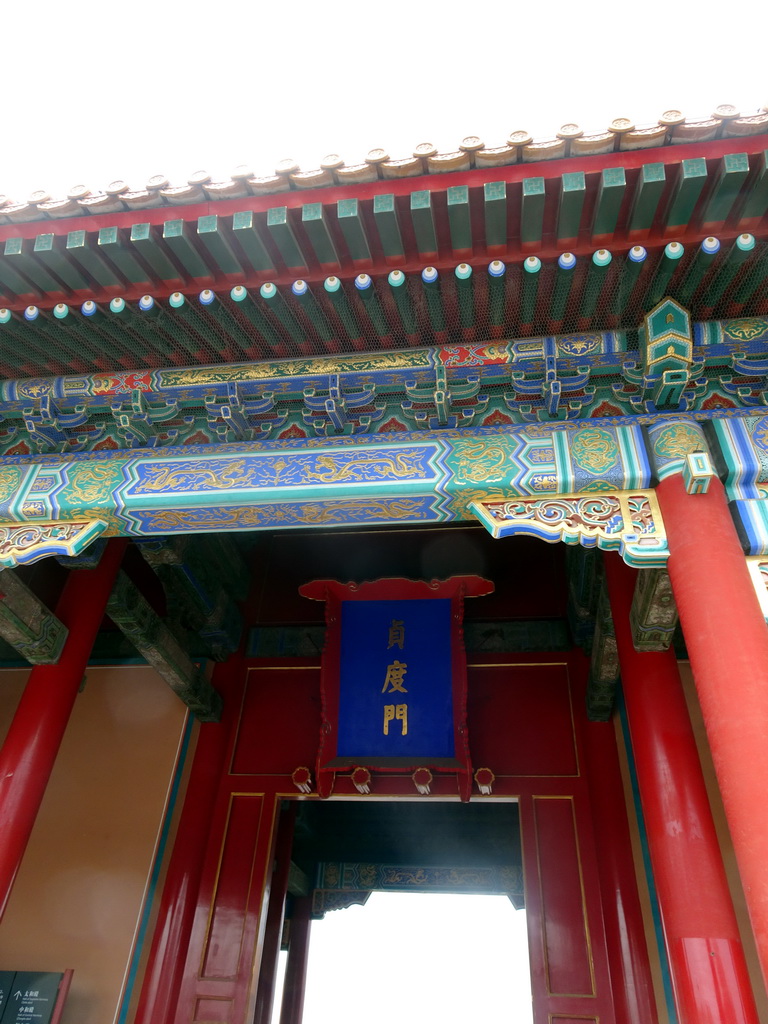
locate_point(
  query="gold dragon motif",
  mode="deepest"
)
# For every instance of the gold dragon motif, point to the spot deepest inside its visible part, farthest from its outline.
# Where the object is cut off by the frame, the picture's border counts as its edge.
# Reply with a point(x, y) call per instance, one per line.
point(10, 478)
point(401, 466)
point(479, 463)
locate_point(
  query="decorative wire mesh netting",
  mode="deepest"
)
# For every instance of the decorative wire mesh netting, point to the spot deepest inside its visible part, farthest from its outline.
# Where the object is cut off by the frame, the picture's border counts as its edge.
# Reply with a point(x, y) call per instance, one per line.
point(457, 306)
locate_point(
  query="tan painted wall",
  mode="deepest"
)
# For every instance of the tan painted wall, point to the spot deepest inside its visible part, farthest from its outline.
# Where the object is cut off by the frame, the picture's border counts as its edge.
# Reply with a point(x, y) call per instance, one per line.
point(80, 889)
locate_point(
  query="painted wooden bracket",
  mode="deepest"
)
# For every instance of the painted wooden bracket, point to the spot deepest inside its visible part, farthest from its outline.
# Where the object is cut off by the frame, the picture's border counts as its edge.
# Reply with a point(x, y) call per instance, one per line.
point(155, 640)
point(201, 576)
point(27, 624)
point(625, 521)
point(654, 613)
point(23, 543)
point(604, 667)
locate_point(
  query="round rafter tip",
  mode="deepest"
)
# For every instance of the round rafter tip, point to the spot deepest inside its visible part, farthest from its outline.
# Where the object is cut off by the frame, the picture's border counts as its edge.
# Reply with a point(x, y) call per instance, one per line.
point(726, 112)
point(331, 162)
point(285, 167)
point(520, 138)
point(621, 125)
point(242, 172)
point(671, 118)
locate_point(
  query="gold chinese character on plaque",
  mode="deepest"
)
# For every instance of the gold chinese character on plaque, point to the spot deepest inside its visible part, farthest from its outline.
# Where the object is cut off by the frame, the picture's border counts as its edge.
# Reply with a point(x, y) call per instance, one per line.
point(396, 634)
point(393, 682)
point(396, 713)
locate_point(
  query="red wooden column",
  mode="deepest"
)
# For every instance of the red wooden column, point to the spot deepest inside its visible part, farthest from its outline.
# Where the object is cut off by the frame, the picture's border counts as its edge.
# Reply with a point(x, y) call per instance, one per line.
point(275, 912)
point(630, 968)
point(292, 1008)
point(709, 972)
point(727, 642)
point(29, 752)
point(162, 981)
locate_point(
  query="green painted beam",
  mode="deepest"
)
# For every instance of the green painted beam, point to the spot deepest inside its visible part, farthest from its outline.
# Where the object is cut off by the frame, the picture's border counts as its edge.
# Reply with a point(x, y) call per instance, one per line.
point(423, 220)
point(256, 316)
point(246, 234)
point(399, 286)
point(277, 305)
point(91, 260)
point(667, 266)
point(691, 179)
point(13, 341)
point(81, 340)
point(634, 265)
point(532, 211)
point(388, 226)
point(303, 295)
point(459, 220)
point(564, 275)
point(731, 175)
point(144, 239)
point(610, 196)
point(340, 303)
point(176, 235)
point(465, 294)
point(530, 289)
point(573, 190)
point(213, 235)
point(741, 249)
point(19, 253)
point(316, 227)
point(12, 281)
point(169, 329)
point(496, 292)
point(279, 227)
point(597, 279)
point(430, 282)
point(122, 316)
point(495, 210)
point(648, 192)
point(48, 249)
point(51, 334)
point(756, 203)
point(350, 220)
point(111, 244)
point(214, 307)
point(705, 256)
point(107, 328)
point(367, 293)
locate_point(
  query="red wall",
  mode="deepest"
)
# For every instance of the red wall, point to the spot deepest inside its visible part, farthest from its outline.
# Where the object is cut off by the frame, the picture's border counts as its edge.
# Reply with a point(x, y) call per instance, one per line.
point(525, 724)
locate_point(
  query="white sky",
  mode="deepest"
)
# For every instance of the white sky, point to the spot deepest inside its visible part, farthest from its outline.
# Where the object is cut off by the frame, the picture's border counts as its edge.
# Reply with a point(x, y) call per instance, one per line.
point(418, 958)
point(104, 90)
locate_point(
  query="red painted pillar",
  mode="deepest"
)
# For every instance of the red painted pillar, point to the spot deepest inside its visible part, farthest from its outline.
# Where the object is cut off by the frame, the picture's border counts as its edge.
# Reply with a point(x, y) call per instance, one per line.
point(29, 752)
point(165, 968)
point(727, 642)
point(631, 981)
point(709, 972)
point(273, 930)
point(292, 1008)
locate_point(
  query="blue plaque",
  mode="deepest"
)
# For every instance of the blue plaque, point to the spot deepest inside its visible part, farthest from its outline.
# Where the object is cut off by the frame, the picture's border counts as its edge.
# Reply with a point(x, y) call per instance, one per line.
point(395, 686)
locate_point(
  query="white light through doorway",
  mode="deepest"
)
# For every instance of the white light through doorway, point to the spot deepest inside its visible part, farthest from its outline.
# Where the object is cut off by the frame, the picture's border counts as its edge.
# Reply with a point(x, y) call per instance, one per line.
point(413, 958)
